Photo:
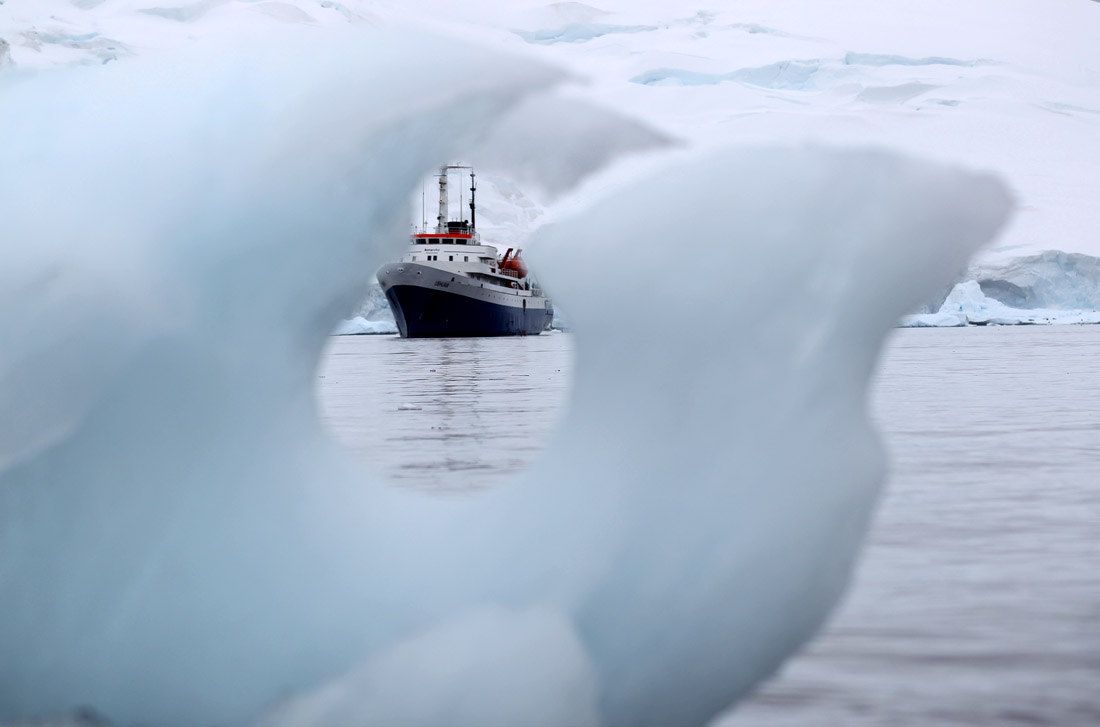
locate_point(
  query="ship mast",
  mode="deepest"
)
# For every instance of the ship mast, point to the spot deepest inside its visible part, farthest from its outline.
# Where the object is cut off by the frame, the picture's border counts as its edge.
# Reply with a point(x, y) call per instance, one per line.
point(441, 220)
point(444, 208)
point(473, 210)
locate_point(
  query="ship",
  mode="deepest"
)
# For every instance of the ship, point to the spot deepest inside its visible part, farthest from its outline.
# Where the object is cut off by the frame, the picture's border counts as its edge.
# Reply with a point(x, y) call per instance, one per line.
point(449, 284)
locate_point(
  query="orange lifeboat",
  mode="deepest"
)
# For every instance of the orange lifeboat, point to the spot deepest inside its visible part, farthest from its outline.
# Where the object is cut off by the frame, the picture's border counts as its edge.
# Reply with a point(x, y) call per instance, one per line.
point(514, 263)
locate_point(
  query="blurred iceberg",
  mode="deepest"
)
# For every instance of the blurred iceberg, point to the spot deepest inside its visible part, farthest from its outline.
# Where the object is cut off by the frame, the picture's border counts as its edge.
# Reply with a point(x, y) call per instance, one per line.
point(181, 544)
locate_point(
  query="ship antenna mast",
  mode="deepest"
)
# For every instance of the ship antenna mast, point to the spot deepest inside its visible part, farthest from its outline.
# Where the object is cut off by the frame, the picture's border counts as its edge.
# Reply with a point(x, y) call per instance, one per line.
point(473, 210)
point(442, 218)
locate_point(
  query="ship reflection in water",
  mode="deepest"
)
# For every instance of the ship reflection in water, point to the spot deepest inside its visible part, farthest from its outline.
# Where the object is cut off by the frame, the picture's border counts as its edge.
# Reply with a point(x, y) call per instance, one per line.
point(447, 414)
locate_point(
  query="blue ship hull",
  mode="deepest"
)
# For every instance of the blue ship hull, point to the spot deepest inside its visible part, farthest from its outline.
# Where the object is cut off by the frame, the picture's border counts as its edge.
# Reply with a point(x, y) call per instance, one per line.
point(436, 313)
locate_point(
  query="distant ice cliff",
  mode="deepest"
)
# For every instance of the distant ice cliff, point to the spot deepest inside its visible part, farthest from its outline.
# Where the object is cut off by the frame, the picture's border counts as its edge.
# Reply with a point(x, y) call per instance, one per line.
point(1046, 289)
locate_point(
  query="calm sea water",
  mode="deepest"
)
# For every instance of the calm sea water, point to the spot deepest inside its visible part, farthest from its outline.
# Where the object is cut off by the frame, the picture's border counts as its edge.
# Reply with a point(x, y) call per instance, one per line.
point(977, 601)
point(446, 414)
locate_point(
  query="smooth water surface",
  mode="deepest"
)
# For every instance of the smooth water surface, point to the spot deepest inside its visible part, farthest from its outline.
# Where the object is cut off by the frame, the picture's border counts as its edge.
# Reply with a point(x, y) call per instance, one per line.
point(445, 414)
point(977, 601)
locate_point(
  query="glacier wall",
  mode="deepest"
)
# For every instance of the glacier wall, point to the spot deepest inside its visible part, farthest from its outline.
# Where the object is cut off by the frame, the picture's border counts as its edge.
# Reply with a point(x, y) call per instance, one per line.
point(1050, 288)
point(1052, 279)
point(967, 304)
point(181, 544)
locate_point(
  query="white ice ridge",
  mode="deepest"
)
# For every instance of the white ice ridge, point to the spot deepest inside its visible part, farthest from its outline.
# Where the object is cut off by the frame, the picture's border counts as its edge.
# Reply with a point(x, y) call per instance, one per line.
point(180, 543)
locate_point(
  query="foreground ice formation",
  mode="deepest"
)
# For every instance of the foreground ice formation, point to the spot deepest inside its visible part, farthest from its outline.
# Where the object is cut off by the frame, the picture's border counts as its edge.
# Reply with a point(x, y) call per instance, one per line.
point(181, 544)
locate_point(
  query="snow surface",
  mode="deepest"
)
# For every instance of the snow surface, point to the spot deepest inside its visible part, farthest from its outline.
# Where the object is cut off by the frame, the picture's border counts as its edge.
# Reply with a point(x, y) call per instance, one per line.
point(1012, 86)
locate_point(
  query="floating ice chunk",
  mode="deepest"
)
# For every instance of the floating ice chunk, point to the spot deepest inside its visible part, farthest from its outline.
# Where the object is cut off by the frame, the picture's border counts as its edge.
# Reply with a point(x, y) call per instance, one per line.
point(966, 299)
point(359, 326)
point(933, 320)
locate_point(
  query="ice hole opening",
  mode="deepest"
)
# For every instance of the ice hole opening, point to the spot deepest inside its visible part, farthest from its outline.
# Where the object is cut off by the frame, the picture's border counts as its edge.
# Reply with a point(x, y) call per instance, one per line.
point(445, 415)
